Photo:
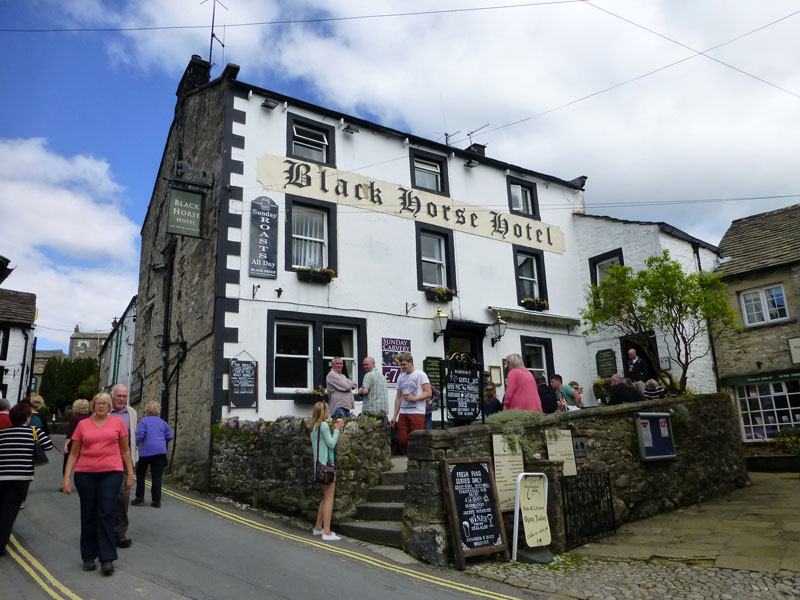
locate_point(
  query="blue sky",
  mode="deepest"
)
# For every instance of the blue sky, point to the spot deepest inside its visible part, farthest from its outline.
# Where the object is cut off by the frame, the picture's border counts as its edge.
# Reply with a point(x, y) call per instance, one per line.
point(85, 115)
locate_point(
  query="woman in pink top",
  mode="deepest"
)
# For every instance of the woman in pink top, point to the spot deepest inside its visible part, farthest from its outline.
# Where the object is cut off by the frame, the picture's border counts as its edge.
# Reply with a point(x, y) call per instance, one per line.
point(521, 391)
point(99, 450)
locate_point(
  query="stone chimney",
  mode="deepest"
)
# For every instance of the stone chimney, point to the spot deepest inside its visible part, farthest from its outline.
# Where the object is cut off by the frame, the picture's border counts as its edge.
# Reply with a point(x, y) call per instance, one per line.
point(479, 149)
point(198, 72)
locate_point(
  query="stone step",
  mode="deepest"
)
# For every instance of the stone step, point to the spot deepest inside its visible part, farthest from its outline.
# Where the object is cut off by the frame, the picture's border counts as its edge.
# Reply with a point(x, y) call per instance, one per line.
point(393, 478)
point(380, 511)
point(386, 533)
point(387, 493)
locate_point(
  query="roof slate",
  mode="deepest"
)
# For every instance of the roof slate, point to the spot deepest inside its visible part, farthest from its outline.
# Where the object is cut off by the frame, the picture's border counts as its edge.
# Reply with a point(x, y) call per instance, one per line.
point(761, 241)
point(17, 307)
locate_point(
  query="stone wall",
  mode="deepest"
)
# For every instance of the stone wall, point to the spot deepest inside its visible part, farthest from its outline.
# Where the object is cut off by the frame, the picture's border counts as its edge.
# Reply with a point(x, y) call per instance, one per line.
point(709, 463)
point(271, 465)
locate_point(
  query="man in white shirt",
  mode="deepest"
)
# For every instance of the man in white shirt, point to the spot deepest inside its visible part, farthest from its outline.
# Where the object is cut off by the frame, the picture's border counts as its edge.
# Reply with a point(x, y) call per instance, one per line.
point(413, 389)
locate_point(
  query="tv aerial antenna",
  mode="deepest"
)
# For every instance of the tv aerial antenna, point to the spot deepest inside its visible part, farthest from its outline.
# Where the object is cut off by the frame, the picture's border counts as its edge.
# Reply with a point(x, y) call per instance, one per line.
point(213, 21)
point(474, 131)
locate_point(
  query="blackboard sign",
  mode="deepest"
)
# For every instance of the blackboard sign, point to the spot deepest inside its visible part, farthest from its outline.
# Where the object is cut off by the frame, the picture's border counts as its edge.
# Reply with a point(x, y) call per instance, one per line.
point(264, 238)
point(243, 384)
point(654, 431)
point(463, 394)
point(476, 523)
point(606, 362)
point(432, 366)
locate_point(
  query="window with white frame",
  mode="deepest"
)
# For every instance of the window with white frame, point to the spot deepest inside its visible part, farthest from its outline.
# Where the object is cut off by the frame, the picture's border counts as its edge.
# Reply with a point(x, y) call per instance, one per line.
point(339, 341)
point(433, 256)
point(310, 140)
point(526, 274)
point(309, 237)
point(602, 268)
point(293, 344)
point(600, 264)
point(535, 359)
point(522, 197)
point(429, 171)
point(766, 408)
point(763, 305)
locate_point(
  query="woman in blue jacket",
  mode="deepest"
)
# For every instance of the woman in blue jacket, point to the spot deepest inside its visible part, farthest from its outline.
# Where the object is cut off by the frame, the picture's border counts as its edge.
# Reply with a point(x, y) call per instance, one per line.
point(152, 435)
point(323, 442)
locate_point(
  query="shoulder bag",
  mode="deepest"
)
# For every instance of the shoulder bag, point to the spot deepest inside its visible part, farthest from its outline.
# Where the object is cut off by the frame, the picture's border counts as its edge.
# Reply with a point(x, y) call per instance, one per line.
point(325, 472)
point(39, 457)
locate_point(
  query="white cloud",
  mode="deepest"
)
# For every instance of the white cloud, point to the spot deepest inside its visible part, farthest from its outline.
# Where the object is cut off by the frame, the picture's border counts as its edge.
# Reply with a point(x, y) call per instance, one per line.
point(70, 242)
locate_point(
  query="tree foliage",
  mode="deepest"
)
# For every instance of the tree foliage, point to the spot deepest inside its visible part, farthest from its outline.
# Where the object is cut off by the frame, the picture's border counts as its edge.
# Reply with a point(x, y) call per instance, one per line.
point(684, 308)
point(65, 380)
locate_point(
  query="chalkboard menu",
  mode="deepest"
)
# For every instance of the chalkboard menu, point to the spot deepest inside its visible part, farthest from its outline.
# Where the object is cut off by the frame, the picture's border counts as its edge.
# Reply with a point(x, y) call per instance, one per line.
point(463, 394)
point(432, 366)
point(476, 523)
point(243, 384)
point(606, 362)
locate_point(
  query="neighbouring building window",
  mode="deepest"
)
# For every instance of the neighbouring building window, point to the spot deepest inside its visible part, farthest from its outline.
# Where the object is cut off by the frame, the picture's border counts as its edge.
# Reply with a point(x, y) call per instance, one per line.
point(4, 335)
point(429, 172)
point(310, 140)
point(310, 234)
point(600, 264)
point(301, 348)
point(766, 408)
point(763, 305)
point(435, 257)
point(530, 275)
point(522, 197)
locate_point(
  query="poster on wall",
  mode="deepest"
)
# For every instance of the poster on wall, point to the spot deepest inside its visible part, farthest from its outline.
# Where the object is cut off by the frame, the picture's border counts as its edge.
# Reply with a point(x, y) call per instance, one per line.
point(264, 238)
point(391, 348)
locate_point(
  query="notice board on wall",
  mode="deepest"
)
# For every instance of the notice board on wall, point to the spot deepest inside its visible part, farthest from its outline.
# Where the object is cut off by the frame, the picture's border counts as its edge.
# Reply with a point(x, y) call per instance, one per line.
point(243, 384)
point(473, 508)
point(654, 431)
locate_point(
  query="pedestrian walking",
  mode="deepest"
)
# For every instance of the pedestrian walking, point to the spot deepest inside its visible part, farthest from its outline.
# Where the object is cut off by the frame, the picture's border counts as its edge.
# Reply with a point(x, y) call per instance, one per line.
point(16, 466)
point(120, 409)
point(322, 443)
point(101, 459)
point(80, 411)
point(152, 436)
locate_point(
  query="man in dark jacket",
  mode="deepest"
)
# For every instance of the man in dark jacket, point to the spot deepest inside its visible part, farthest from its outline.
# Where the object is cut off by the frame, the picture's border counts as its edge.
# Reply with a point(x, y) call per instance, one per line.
point(622, 391)
point(637, 367)
point(547, 395)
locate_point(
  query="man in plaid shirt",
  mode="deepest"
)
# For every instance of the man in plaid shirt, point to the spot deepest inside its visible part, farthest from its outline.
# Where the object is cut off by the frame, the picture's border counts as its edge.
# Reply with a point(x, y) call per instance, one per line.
point(373, 389)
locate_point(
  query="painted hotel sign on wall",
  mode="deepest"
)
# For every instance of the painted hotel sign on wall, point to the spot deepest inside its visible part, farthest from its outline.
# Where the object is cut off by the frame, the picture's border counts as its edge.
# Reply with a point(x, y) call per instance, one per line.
point(185, 213)
point(324, 183)
point(264, 238)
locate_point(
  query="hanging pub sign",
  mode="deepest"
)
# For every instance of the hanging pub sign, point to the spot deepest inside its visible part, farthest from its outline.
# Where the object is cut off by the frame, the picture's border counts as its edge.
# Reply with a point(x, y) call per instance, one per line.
point(463, 394)
point(185, 212)
point(473, 509)
point(243, 384)
point(264, 238)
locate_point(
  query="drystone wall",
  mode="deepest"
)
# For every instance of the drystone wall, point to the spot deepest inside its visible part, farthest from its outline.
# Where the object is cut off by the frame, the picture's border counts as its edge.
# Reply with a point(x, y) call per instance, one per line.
point(271, 464)
point(709, 463)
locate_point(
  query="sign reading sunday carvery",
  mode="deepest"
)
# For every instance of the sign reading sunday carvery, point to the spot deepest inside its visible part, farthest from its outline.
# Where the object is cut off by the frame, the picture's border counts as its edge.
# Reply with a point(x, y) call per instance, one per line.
point(391, 348)
point(292, 176)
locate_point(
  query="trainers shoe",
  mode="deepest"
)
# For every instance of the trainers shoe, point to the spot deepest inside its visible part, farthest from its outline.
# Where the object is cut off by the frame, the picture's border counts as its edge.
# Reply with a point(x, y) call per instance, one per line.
point(330, 538)
point(89, 565)
point(316, 531)
point(155, 504)
point(137, 502)
point(107, 567)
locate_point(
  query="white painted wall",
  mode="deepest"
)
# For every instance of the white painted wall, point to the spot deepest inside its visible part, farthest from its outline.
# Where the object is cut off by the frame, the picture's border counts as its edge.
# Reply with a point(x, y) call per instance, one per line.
point(18, 362)
point(639, 241)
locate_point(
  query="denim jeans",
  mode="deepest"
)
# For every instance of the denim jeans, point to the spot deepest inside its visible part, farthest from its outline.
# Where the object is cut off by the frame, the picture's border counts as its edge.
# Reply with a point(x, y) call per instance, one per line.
point(98, 493)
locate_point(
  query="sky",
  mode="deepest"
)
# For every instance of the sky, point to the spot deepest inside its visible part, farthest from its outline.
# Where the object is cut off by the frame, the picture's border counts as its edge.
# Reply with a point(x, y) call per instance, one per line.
point(679, 111)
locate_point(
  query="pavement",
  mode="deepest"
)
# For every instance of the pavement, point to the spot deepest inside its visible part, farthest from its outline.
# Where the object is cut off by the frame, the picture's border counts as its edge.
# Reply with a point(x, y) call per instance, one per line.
point(745, 545)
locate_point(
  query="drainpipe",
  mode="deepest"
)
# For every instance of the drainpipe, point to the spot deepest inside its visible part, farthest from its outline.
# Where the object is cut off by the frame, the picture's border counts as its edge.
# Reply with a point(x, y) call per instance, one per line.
point(22, 367)
point(117, 337)
point(169, 260)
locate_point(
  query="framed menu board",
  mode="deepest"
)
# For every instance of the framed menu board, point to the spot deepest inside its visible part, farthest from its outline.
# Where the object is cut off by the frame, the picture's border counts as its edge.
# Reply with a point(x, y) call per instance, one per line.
point(473, 508)
point(243, 384)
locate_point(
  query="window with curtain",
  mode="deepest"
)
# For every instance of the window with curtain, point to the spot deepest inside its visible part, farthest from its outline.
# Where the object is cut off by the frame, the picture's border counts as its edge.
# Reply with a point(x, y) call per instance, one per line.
point(434, 266)
point(309, 237)
point(292, 356)
point(527, 275)
point(339, 341)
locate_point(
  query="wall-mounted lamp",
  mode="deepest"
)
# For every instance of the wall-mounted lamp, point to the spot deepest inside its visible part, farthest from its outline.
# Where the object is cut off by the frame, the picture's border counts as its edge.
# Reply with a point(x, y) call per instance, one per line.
point(499, 329)
point(347, 127)
point(114, 323)
point(471, 163)
point(270, 103)
point(439, 323)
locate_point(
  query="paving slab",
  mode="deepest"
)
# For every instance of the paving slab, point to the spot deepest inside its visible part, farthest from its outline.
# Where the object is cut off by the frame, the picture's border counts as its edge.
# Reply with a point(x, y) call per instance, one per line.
point(765, 564)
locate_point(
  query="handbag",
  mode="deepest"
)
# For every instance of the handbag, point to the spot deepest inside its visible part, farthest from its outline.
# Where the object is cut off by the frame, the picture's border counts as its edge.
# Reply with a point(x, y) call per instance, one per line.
point(39, 457)
point(325, 472)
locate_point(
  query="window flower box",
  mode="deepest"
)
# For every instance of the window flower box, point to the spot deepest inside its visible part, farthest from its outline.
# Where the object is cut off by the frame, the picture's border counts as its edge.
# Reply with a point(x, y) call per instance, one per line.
point(439, 294)
point(310, 396)
point(321, 275)
point(536, 304)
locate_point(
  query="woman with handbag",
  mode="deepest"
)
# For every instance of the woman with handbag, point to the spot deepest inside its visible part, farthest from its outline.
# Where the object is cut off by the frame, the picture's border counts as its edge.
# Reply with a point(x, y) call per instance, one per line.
point(17, 450)
point(322, 443)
